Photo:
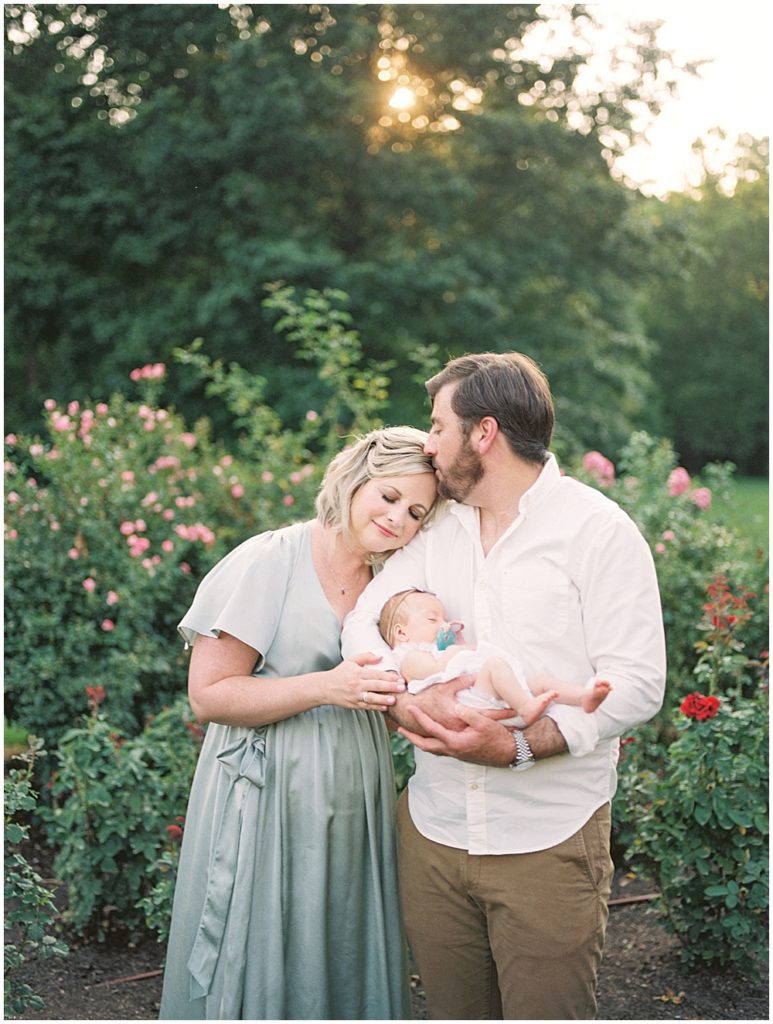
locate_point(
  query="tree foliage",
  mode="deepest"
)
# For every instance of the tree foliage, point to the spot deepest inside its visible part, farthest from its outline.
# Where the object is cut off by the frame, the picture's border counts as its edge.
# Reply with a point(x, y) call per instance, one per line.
point(166, 162)
point(707, 310)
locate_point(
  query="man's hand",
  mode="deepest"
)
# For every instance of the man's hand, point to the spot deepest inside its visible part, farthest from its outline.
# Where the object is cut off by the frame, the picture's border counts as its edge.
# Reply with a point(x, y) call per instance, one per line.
point(437, 702)
point(474, 737)
point(478, 738)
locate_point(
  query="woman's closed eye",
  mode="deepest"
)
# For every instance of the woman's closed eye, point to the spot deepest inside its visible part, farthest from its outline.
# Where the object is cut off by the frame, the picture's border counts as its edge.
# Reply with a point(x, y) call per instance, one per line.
point(417, 512)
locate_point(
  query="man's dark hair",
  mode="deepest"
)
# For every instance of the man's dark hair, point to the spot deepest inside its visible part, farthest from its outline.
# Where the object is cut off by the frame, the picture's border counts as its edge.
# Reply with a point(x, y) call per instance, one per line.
point(508, 386)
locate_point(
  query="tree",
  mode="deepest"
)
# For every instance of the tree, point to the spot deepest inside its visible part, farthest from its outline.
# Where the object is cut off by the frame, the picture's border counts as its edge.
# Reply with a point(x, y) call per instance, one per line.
point(165, 162)
point(709, 317)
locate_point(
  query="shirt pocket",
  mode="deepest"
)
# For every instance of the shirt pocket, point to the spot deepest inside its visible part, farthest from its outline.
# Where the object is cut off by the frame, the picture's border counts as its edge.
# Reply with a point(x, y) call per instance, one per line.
point(535, 601)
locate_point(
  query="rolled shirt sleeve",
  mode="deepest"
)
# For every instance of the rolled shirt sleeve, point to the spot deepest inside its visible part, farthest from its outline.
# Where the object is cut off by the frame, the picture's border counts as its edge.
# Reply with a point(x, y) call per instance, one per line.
point(624, 637)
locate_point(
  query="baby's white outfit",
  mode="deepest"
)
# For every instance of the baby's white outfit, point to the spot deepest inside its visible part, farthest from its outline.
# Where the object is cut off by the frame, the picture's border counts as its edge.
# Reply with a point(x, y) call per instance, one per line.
point(465, 663)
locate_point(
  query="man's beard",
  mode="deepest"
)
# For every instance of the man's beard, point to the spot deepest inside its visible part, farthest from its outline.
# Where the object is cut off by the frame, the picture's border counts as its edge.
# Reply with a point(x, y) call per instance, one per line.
point(463, 474)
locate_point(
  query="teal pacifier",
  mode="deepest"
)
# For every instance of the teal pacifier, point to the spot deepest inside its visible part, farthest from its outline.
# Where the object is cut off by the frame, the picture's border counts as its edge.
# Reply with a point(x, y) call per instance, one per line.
point(449, 635)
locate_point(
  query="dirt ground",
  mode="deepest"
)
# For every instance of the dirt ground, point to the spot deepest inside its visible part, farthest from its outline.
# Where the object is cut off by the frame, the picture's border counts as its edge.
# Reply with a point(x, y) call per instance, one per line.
point(641, 978)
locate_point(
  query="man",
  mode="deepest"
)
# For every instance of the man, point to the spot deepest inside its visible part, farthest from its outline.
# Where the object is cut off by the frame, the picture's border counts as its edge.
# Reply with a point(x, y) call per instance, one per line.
point(505, 872)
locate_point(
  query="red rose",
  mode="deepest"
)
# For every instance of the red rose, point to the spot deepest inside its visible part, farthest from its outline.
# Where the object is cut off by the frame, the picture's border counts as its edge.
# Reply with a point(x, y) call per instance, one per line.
point(174, 831)
point(695, 705)
point(688, 705)
point(707, 708)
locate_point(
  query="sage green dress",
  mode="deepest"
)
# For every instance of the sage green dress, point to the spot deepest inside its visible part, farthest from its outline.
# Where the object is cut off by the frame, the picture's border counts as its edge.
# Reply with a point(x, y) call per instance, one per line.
point(286, 904)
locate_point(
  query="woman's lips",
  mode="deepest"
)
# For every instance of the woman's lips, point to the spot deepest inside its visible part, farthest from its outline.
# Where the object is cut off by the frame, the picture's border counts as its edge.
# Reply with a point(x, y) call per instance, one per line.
point(384, 531)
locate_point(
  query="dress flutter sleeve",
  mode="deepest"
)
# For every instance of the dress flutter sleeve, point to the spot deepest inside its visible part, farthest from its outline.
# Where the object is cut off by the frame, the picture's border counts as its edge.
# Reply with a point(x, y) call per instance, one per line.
point(243, 594)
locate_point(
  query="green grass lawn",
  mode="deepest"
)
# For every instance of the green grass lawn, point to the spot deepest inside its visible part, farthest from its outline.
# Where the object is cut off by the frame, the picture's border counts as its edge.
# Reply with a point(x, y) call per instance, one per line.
point(746, 509)
point(14, 739)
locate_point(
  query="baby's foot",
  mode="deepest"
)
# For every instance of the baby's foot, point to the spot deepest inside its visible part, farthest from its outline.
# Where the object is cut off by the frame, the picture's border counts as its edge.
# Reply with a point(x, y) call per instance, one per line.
point(533, 707)
point(595, 695)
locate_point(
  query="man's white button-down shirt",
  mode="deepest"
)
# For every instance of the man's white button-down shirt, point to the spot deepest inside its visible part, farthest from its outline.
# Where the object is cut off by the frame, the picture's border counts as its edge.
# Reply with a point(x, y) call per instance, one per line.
point(570, 590)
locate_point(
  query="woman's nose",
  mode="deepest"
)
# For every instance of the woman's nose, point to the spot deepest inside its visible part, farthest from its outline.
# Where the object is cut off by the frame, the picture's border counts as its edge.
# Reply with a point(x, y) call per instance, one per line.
point(395, 514)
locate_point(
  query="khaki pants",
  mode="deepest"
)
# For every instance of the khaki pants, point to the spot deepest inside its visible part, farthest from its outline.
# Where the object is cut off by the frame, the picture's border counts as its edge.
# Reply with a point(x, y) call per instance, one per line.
point(514, 936)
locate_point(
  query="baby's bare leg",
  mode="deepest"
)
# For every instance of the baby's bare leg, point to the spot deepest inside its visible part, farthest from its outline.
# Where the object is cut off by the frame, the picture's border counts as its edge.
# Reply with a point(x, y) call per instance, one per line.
point(497, 679)
point(586, 697)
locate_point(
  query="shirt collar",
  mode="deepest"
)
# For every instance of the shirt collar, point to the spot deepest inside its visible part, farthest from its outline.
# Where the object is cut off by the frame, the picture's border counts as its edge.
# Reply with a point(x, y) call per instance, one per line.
point(550, 475)
point(543, 485)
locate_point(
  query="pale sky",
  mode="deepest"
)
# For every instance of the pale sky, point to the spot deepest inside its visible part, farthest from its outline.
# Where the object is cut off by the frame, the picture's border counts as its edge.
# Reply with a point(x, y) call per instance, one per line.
point(734, 92)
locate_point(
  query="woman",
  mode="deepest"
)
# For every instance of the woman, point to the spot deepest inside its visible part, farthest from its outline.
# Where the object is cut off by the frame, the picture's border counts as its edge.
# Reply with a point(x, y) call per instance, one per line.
point(286, 903)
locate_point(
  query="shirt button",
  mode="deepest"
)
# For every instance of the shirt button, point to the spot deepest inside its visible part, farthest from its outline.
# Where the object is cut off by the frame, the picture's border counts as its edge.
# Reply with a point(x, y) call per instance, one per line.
point(474, 785)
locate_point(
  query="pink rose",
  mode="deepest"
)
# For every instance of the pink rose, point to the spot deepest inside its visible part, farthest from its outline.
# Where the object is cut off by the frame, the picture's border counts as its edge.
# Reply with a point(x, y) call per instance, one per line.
point(668, 535)
point(678, 482)
point(60, 422)
point(112, 597)
point(599, 467)
point(108, 625)
point(237, 491)
point(89, 584)
point(660, 548)
point(139, 546)
point(701, 497)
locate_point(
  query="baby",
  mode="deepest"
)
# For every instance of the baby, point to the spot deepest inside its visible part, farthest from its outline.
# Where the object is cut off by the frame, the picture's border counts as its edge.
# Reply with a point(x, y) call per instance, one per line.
point(429, 649)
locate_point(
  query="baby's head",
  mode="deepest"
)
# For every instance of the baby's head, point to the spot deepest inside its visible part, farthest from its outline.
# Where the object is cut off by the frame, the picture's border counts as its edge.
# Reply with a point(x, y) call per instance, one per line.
point(413, 616)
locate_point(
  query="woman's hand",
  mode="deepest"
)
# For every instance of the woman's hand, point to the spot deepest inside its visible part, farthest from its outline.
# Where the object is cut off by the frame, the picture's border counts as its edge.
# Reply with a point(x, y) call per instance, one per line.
point(353, 685)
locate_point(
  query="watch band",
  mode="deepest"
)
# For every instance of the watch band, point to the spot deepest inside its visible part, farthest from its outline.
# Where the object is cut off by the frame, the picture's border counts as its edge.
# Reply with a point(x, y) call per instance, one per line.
point(524, 758)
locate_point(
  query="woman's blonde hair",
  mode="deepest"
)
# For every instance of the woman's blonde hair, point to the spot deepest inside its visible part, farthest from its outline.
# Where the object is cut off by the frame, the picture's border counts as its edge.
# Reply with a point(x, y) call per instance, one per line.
point(390, 451)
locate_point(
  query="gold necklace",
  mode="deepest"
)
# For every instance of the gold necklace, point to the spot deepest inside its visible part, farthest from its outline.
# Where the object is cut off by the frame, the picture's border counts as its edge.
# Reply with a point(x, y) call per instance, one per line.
point(339, 584)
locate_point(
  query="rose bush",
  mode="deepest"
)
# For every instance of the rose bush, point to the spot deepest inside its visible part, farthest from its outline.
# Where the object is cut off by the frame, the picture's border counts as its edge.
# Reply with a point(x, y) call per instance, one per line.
point(118, 509)
point(30, 917)
point(702, 830)
point(689, 549)
point(112, 798)
point(695, 815)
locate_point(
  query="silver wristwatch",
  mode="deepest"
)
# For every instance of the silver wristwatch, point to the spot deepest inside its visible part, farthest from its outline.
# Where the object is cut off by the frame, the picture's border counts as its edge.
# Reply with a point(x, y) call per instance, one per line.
point(523, 756)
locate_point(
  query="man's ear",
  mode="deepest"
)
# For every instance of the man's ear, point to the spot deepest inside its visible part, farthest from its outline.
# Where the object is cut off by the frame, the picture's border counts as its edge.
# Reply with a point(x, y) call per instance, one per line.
point(488, 429)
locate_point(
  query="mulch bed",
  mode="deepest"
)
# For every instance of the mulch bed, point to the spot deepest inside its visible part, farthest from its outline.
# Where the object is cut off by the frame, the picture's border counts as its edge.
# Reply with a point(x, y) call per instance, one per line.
point(641, 978)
